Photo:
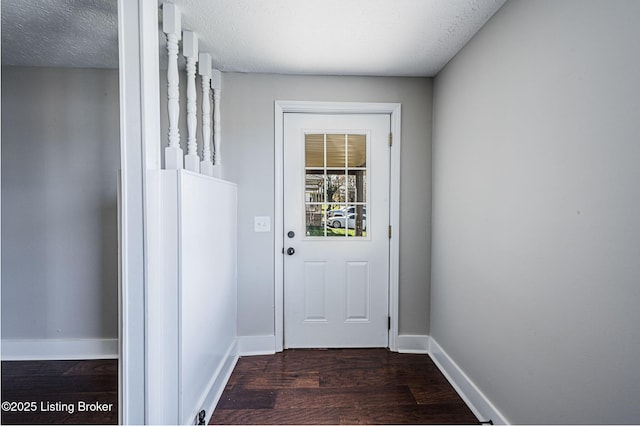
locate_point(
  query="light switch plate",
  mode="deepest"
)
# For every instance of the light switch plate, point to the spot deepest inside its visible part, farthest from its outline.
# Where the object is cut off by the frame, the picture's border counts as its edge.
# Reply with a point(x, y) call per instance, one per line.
point(262, 224)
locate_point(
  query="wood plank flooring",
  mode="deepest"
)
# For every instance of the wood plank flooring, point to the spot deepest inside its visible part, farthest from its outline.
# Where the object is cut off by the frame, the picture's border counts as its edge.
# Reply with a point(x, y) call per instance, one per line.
point(59, 389)
point(339, 386)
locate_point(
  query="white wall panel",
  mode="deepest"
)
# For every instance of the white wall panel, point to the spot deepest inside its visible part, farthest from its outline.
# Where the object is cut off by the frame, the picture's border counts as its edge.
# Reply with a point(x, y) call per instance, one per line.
point(200, 246)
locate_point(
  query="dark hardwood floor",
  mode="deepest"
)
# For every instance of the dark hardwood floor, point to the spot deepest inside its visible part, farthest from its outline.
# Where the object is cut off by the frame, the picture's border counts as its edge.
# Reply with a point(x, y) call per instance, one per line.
point(60, 392)
point(339, 386)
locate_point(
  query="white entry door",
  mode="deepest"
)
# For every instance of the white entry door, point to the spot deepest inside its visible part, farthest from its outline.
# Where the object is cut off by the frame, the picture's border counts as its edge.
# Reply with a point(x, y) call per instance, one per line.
point(336, 225)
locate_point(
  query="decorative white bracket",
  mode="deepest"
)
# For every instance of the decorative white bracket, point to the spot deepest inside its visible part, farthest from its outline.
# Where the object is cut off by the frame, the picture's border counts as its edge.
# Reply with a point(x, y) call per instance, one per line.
point(172, 27)
point(190, 51)
point(206, 165)
point(216, 85)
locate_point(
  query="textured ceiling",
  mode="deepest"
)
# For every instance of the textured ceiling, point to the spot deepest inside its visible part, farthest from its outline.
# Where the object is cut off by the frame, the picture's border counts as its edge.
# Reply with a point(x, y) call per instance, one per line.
point(347, 37)
point(359, 37)
point(60, 33)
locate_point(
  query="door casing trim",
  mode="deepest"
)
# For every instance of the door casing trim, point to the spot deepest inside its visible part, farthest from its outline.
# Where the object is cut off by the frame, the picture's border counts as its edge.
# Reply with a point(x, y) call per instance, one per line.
point(282, 107)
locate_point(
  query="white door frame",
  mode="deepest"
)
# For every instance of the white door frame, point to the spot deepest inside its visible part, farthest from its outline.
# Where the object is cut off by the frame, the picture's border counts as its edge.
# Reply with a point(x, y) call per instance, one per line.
point(394, 109)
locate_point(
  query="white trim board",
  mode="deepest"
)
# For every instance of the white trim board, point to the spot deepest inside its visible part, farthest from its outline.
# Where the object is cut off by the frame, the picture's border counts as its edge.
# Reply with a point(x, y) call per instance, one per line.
point(413, 344)
point(58, 349)
point(256, 345)
point(220, 379)
point(481, 406)
point(395, 110)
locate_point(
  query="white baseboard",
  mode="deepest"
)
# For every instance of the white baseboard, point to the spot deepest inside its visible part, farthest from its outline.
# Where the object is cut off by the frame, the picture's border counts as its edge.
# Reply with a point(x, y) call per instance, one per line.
point(413, 343)
point(257, 345)
point(59, 349)
point(483, 409)
point(220, 380)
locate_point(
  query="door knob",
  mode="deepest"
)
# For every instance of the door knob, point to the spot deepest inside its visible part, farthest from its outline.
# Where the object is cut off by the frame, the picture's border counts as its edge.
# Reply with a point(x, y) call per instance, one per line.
point(290, 251)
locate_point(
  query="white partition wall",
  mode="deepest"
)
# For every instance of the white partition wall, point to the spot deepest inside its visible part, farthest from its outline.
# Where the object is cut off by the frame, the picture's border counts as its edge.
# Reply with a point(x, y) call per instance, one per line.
point(199, 244)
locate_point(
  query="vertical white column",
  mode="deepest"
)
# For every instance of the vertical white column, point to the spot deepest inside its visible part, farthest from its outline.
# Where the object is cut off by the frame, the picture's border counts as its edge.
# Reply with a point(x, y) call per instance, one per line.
point(206, 165)
point(140, 383)
point(172, 27)
point(190, 51)
point(216, 85)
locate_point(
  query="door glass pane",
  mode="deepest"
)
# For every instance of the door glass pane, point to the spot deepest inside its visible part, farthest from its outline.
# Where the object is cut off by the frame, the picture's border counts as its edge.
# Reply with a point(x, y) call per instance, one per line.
point(358, 221)
point(357, 150)
point(336, 220)
point(336, 151)
point(314, 150)
point(314, 219)
point(314, 187)
point(336, 186)
point(357, 186)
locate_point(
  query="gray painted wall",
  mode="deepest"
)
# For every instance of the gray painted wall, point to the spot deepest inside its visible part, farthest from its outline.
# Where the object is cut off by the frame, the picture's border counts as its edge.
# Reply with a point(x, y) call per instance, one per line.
point(60, 155)
point(248, 153)
point(536, 242)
